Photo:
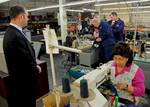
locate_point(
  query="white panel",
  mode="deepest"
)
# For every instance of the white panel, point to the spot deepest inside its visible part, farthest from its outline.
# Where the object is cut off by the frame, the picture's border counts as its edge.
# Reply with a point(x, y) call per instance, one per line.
point(3, 66)
point(2, 1)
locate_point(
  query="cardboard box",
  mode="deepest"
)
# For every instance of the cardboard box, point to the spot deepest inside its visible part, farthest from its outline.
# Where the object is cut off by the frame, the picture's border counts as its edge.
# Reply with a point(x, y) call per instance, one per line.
point(50, 100)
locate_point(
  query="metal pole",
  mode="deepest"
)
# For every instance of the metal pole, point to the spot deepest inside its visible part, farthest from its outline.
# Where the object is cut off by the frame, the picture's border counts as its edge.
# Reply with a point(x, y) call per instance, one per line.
point(57, 97)
point(53, 69)
point(134, 37)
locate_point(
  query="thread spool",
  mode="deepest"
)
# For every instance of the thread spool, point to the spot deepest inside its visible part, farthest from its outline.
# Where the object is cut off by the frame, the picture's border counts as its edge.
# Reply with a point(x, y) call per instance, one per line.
point(84, 92)
point(65, 85)
point(116, 101)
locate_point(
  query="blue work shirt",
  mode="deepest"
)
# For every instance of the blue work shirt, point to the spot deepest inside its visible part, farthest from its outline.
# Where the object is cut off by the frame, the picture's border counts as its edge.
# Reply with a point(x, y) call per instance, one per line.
point(106, 34)
point(118, 30)
point(107, 42)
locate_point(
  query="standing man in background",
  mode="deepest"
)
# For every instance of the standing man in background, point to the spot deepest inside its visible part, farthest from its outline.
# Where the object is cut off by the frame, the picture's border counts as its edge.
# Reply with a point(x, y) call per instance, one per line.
point(20, 58)
point(117, 27)
point(105, 39)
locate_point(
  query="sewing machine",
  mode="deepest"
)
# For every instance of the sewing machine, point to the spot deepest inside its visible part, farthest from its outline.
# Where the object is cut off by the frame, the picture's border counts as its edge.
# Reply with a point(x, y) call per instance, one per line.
point(95, 78)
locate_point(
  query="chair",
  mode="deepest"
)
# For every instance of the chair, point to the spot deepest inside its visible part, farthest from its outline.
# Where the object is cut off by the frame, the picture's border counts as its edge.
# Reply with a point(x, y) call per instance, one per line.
point(50, 101)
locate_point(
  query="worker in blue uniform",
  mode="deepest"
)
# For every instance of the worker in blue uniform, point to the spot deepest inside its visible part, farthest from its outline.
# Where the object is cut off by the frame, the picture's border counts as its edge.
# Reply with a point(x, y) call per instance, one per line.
point(106, 40)
point(117, 27)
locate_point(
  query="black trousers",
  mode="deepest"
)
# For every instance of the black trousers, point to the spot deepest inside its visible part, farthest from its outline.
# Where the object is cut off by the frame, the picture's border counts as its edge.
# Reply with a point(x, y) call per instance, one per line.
point(23, 93)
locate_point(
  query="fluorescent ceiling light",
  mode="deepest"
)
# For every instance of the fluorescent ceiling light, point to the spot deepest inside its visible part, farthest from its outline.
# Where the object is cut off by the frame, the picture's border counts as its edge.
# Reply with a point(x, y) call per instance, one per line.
point(123, 8)
point(2, 1)
point(79, 3)
point(118, 3)
point(83, 10)
point(68, 4)
point(139, 12)
point(56, 6)
point(90, 10)
point(71, 10)
point(42, 8)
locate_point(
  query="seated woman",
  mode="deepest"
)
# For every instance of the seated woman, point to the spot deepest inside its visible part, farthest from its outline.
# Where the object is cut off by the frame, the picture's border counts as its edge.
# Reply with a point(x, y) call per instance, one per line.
point(126, 76)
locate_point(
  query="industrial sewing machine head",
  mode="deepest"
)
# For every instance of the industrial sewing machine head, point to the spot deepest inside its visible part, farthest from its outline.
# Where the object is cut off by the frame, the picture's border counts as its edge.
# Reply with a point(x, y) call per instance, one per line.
point(95, 78)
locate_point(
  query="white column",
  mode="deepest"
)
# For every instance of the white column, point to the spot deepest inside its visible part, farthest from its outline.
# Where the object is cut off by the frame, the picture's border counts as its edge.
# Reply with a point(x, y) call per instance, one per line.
point(63, 20)
point(98, 9)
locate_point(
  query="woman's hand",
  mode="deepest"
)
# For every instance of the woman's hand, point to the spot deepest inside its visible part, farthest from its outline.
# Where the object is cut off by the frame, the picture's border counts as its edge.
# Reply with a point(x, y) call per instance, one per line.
point(130, 89)
point(121, 86)
point(124, 86)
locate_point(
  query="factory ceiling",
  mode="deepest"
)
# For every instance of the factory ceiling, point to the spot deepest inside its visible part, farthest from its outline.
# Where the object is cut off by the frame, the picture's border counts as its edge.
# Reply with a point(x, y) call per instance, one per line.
point(30, 4)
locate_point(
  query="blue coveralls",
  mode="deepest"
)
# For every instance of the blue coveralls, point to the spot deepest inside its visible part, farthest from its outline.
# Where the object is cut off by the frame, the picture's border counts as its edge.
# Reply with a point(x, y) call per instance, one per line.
point(107, 42)
point(118, 30)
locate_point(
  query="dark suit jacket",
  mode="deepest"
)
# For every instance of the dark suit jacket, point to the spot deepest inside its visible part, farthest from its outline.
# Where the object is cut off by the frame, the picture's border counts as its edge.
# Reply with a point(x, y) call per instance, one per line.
point(20, 59)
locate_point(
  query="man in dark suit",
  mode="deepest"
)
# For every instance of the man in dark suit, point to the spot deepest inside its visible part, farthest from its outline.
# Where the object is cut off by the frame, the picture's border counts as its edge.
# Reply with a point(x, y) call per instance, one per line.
point(20, 59)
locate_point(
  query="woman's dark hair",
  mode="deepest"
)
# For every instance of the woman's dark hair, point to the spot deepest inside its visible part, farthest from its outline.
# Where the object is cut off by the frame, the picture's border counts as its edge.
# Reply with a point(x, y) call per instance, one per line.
point(123, 50)
point(15, 11)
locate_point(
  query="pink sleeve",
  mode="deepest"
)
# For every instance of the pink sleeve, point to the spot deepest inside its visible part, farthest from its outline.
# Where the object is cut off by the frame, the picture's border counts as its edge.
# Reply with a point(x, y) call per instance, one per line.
point(138, 83)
